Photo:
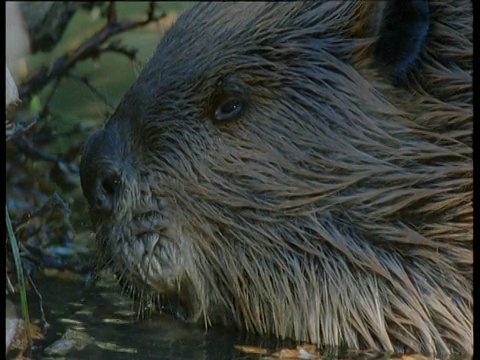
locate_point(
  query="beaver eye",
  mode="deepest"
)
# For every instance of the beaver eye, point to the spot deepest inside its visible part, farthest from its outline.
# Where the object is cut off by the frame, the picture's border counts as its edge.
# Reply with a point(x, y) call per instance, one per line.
point(229, 109)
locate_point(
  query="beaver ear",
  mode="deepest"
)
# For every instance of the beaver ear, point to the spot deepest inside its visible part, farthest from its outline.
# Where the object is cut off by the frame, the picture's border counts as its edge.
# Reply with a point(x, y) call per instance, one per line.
point(402, 28)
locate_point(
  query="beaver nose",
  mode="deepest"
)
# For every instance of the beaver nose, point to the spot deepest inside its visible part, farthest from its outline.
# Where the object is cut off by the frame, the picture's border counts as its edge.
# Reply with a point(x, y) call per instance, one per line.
point(99, 173)
point(101, 192)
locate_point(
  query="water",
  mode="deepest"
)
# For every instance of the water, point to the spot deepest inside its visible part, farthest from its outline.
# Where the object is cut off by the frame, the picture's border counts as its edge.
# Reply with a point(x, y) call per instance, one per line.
point(105, 317)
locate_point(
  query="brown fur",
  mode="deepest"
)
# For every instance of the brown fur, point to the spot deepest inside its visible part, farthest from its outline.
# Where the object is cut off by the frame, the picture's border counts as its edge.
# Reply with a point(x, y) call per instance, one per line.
point(337, 209)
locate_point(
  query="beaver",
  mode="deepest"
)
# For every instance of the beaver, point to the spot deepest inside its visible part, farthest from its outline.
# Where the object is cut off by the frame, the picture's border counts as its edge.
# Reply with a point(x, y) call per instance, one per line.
point(301, 169)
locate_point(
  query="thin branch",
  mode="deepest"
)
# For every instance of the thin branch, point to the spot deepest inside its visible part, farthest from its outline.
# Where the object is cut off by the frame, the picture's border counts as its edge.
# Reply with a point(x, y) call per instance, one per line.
point(43, 318)
point(118, 48)
point(17, 132)
point(46, 106)
point(84, 80)
point(90, 48)
point(28, 148)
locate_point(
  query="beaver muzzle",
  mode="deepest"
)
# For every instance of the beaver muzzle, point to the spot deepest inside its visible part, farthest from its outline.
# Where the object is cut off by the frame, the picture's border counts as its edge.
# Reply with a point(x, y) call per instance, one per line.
point(100, 173)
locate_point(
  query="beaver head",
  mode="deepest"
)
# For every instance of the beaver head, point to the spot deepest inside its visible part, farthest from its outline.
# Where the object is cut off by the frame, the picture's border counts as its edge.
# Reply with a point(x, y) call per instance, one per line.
point(302, 169)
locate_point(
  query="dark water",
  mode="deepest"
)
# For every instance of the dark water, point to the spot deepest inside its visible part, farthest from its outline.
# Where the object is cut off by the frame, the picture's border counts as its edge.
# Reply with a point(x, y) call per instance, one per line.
point(104, 316)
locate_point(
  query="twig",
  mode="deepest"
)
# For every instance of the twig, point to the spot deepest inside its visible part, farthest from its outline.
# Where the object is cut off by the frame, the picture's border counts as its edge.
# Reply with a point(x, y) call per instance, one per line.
point(20, 131)
point(90, 48)
point(49, 98)
point(28, 148)
point(116, 47)
point(40, 304)
point(84, 80)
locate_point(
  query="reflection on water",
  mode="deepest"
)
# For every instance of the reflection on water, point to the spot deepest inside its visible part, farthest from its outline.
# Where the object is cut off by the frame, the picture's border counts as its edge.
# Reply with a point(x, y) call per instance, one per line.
point(107, 320)
point(102, 314)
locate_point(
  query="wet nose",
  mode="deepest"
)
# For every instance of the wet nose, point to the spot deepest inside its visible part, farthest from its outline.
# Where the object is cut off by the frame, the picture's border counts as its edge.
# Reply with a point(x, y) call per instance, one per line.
point(99, 172)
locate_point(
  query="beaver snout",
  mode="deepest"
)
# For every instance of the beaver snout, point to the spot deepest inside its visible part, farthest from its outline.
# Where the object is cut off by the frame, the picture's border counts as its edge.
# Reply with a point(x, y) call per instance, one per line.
point(99, 172)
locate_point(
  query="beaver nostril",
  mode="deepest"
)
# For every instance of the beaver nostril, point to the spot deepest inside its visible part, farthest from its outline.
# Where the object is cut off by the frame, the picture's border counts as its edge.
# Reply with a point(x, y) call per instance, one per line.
point(109, 185)
point(105, 191)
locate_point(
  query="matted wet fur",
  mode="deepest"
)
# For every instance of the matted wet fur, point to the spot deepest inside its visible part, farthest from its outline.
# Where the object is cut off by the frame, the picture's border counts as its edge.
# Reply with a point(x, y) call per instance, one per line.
point(272, 169)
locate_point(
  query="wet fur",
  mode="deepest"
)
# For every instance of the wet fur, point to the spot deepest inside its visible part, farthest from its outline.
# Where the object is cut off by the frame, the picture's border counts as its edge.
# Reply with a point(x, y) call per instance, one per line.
point(336, 210)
